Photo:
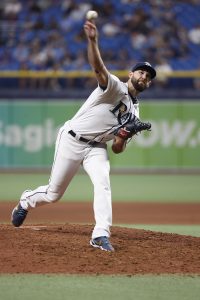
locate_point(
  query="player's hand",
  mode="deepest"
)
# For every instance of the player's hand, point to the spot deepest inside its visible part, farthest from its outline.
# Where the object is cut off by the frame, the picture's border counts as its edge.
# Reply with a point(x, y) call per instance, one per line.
point(118, 145)
point(90, 30)
point(132, 127)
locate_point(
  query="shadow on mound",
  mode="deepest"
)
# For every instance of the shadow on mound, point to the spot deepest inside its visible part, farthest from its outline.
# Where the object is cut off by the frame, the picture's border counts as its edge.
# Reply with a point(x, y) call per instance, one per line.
point(66, 249)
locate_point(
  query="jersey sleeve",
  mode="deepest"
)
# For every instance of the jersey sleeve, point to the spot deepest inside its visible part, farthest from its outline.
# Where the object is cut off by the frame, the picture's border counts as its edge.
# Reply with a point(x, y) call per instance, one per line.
point(113, 90)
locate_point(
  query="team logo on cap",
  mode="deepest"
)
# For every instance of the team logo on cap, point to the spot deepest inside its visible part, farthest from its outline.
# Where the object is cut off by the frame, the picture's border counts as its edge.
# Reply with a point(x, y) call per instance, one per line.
point(147, 63)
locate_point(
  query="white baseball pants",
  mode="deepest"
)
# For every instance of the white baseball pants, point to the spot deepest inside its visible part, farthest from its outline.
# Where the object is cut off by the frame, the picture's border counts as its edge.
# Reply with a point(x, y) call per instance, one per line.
point(69, 155)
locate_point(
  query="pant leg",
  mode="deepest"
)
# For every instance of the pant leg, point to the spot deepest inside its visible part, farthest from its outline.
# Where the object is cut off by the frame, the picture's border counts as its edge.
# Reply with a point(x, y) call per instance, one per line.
point(97, 165)
point(67, 159)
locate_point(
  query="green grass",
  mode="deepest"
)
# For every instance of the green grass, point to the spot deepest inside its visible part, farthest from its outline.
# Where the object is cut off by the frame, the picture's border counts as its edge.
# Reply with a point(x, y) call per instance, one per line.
point(52, 287)
point(193, 230)
point(143, 188)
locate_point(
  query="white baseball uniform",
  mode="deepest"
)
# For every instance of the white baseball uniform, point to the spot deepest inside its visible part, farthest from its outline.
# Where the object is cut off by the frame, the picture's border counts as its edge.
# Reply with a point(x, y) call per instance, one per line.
point(103, 112)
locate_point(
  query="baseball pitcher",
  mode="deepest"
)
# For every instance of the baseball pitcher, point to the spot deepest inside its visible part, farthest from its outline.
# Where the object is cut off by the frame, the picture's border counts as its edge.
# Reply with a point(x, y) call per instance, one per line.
point(111, 112)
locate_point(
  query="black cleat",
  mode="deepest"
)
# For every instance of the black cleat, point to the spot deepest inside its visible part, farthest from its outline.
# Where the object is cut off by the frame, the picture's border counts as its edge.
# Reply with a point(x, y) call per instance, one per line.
point(103, 243)
point(18, 215)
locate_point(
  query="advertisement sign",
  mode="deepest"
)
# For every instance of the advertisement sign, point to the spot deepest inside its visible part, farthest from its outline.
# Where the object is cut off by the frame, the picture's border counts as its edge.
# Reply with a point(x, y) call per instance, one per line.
point(28, 130)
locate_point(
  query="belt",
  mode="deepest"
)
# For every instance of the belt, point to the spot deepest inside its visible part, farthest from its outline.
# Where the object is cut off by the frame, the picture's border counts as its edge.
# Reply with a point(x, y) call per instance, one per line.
point(82, 139)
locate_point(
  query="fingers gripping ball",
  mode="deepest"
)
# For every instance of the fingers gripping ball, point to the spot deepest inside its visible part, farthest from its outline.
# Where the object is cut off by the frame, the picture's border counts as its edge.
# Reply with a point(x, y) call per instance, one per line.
point(133, 127)
point(91, 15)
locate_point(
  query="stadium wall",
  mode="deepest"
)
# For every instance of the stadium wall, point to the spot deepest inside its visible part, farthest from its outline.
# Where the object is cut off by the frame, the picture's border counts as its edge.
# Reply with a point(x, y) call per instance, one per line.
point(28, 130)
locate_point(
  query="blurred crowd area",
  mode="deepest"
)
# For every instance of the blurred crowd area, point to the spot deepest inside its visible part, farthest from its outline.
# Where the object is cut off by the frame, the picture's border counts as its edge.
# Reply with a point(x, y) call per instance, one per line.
point(48, 35)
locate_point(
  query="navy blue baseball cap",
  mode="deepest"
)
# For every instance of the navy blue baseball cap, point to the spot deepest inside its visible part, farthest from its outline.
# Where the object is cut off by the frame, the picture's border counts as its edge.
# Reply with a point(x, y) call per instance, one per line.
point(145, 65)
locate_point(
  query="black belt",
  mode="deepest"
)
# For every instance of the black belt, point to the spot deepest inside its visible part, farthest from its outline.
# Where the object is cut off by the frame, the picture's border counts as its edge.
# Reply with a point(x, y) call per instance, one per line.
point(82, 139)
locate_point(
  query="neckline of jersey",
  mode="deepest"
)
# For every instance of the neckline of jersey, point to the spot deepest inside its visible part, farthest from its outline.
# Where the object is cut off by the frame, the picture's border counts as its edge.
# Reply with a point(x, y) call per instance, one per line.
point(134, 99)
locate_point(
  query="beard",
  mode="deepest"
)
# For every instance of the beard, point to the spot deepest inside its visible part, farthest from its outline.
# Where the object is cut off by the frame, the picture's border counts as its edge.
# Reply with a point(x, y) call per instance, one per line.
point(138, 85)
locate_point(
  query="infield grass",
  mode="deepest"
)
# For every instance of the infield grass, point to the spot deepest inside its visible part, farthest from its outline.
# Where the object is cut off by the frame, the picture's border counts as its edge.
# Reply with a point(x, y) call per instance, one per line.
point(138, 188)
point(192, 230)
point(60, 287)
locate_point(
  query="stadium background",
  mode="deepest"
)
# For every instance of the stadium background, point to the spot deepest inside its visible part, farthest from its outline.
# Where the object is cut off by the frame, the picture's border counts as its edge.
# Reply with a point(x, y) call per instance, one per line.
point(45, 76)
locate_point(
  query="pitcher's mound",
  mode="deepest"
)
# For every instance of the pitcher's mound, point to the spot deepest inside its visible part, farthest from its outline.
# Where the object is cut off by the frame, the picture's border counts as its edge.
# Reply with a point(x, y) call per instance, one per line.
point(65, 249)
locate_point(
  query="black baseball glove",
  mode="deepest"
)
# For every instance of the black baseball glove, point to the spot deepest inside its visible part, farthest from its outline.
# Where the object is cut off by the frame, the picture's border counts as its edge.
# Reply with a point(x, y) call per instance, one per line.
point(132, 127)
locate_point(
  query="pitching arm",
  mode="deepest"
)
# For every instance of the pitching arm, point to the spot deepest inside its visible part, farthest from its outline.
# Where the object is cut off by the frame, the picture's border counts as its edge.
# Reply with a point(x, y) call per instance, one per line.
point(94, 56)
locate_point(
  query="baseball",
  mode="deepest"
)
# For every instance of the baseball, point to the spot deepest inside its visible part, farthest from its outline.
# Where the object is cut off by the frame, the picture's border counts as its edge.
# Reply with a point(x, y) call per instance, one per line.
point(91, 14)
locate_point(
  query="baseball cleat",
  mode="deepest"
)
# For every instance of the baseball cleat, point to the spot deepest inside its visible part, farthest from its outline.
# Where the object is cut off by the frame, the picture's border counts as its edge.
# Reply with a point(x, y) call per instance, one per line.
point(18, 215)
point(102, 243)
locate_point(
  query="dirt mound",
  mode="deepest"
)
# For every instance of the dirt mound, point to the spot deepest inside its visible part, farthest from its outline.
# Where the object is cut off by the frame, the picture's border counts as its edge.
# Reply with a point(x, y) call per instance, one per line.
point(66, 249)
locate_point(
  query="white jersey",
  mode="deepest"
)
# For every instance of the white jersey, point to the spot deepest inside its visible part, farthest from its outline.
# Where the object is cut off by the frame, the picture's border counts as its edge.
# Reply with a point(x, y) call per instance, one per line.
point(102, 113)
point(105, 111)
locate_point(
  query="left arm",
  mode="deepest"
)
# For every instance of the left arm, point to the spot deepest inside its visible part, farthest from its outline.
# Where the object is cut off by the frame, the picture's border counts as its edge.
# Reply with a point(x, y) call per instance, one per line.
point(119, 145)
point(124, 133)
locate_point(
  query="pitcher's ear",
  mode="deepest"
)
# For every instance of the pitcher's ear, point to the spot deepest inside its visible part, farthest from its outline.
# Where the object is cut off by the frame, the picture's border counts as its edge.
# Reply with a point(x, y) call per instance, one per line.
point(148, 84)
